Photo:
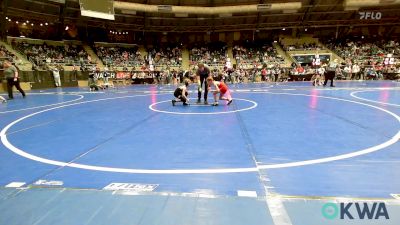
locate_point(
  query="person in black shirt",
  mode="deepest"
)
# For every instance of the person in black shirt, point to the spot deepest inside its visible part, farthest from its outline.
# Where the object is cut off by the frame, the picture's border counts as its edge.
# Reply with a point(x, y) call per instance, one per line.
point(202, 73)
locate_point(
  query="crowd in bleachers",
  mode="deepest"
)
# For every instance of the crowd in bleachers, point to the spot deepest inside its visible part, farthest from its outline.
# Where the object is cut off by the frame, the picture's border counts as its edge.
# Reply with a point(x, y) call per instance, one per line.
point(5, 54)
point(256, 53)
point(43, 54)
point(254, 61)
point(119, 56)
point(360, 52)
point(166, 55)
point(303, 47)
point(366, 59)
point(211, 54)
point(390, 47)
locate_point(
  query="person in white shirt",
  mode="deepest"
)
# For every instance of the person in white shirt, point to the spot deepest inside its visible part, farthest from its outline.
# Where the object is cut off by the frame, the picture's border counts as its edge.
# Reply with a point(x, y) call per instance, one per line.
point(56, 75)
point(347, 72)
point(356, 71)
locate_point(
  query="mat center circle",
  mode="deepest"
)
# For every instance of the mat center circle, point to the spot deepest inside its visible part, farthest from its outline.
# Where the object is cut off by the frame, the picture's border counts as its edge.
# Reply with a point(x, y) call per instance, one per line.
point(238, 105)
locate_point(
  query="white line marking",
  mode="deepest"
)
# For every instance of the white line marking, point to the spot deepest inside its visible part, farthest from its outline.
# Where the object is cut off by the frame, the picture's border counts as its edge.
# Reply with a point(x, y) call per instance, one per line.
point(43, 106)
point(22, 153)
point(368, 100)
point(391, 141)
point(396, 196)
point(206, 196)
point(151, 107)
point(278, 211)
point(251, 194)
point(15, 184)
point(199, 105)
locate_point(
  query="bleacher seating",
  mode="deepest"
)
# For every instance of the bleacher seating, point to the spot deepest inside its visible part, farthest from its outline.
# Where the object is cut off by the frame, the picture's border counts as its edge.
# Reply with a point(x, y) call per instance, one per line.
point(166, 55)
point(50, 55)
point(119, 56)
point(210, 54)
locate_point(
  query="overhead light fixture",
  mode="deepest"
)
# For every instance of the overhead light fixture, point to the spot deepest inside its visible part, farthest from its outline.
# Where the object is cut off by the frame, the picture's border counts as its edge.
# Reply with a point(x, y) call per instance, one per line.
point(283, 28)
point(6, 18)
point(41, 24)
point(32, 24)
point(16, 22)
point(46, 24)
point(275, 41)
point(305, 29)
point(66, 28)
point(24, 24)
point(27, 21)
point(127, 32)
point(9, 20)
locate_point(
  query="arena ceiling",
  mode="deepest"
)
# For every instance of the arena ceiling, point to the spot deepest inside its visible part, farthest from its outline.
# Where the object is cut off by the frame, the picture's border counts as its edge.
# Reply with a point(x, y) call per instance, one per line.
point(310, 14)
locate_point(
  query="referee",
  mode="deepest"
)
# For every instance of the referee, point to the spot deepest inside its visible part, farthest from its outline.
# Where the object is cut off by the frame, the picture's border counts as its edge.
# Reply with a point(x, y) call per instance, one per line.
point(11, 75)
point(202, 73)
point(330, 75)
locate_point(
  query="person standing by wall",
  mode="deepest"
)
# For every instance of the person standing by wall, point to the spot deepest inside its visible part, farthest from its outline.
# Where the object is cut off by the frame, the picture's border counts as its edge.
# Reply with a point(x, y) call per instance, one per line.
point(106, 75)
point(56, 75)
point(11, 74)
point(356, 71)
point(74, 73)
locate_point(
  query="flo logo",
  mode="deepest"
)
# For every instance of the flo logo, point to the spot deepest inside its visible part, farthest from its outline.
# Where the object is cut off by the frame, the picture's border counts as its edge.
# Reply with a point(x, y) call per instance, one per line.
point(370, 15)
point(355, 211)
